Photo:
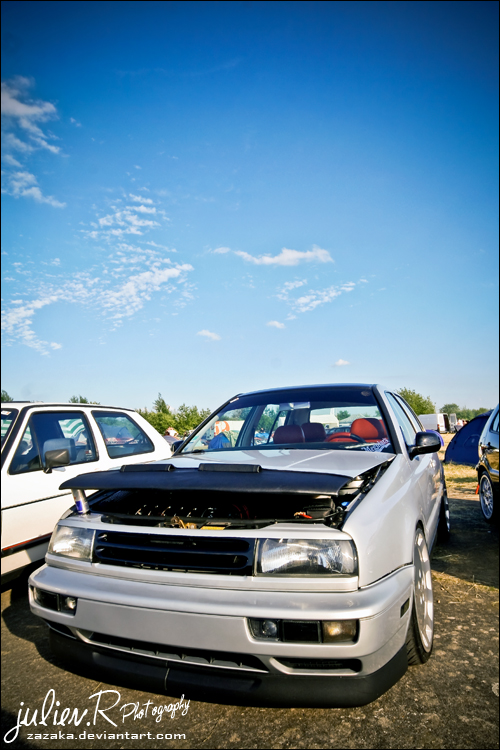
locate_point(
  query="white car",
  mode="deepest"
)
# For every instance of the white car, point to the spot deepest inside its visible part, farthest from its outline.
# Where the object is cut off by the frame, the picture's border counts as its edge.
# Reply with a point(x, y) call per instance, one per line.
point(287, 570)
point(42, 445)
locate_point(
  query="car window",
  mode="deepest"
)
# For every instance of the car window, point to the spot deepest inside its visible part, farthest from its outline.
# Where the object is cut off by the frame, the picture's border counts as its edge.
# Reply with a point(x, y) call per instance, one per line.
point(51, 431)
point(122, 436)
point(407, 427)
point(409, 412)
point(26, 457)
point(334, 418)
point(494, 425)
point(8, 419)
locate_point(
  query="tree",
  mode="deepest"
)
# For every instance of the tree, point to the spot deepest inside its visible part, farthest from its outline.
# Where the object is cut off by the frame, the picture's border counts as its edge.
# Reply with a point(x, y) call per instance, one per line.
point(5, 397)
point(161, 406)
point(418, 403)
point(184, 419)
point(463, 412)
point(82, 400)
point(343, 414)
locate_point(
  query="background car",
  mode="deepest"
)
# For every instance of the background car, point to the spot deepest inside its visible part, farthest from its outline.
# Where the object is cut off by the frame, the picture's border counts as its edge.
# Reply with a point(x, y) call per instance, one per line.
point(45, 443)
point(487, 468)
point(294, 571)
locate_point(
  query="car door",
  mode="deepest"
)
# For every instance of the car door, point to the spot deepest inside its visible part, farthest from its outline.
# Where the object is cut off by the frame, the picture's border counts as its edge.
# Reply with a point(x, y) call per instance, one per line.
point(31, 499)
point(423, 470)
point(489, 447)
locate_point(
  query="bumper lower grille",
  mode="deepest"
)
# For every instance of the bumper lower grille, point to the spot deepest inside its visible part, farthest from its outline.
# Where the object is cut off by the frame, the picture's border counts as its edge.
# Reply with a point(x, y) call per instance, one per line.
point(197, 657)
point(180, 553)
point(322, 664)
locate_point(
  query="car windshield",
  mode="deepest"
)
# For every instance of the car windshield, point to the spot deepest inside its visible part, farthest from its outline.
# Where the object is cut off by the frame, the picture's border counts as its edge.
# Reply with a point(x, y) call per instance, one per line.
point(344, 418)
point(8, 419)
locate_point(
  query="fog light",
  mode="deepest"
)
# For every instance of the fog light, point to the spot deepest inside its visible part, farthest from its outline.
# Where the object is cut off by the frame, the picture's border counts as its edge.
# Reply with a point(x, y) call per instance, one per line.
point(339, 630)
point(69, 603)
point(45, 599)
point(267, 629)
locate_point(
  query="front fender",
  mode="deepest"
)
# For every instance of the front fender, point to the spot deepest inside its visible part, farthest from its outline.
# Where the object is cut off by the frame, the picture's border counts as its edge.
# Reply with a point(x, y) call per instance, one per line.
point(383, 523)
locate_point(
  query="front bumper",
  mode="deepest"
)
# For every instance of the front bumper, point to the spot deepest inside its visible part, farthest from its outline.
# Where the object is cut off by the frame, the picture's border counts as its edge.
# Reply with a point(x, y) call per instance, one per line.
point(185, 639)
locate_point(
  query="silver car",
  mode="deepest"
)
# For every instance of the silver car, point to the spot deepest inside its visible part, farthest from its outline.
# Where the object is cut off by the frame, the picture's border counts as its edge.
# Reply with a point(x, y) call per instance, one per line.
point(272, 560)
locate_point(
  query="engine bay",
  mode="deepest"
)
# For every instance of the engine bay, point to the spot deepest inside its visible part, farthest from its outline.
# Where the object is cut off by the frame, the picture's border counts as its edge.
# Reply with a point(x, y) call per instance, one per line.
point(216, 508)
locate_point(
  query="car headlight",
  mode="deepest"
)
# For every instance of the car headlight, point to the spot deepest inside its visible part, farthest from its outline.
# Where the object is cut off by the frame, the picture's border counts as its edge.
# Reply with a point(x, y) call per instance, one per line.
point(307, 557)
point(70, 541)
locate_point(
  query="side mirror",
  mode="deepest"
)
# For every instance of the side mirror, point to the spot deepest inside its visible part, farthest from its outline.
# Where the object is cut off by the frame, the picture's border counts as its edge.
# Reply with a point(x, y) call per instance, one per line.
point(175, 446)
point(58, 457)
point(425, 442)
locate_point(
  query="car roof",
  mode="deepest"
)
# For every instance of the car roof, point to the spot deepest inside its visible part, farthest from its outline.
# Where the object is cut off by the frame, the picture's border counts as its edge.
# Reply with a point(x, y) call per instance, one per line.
point(59, 405)
point(310, 387)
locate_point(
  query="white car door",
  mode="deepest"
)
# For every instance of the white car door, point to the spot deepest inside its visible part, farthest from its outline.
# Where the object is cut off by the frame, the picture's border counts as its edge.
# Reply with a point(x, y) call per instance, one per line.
point(31, 499)
point(422, 470)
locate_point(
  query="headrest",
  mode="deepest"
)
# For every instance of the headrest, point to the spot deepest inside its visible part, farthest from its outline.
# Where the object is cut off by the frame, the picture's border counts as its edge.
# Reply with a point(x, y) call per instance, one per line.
point(368, 428)
point(290, 433)
point(314, 432)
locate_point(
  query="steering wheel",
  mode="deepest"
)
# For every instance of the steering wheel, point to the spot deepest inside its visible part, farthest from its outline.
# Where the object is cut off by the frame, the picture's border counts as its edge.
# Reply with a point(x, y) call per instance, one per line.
point(357, 437)
point(339, 437)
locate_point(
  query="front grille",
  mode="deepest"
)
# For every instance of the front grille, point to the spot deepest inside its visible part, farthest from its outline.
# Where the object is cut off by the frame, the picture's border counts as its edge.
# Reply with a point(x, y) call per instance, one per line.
point(200, 554)
point(195, 656)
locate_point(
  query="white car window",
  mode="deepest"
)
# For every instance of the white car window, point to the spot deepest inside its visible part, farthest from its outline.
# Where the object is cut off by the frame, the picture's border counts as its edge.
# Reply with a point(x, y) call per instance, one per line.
point(8, 419)
point(407, 428)
point(122, 436)
point(50, 431)
point(409, 413)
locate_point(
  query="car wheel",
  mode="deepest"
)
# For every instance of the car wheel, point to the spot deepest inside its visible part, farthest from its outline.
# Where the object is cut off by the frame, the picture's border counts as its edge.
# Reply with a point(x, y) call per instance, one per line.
point(486, 498)
point(444, 525)
point(420, 634)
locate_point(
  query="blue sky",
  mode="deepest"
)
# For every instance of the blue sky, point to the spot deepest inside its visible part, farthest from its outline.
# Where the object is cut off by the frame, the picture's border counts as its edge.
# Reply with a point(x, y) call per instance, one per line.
point(201, 198)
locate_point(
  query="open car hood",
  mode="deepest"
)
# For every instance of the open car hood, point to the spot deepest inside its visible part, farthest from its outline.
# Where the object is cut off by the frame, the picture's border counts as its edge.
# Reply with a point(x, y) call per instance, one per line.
point(348, 463)
point(279, 471)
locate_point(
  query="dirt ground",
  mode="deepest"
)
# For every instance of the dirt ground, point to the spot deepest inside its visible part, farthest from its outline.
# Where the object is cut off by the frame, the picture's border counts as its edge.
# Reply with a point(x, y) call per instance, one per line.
point(467, 556)
point(450, 702)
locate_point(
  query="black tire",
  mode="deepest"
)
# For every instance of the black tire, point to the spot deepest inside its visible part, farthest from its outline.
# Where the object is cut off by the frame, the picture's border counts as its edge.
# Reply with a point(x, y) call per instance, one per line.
point(420, 635)
point(444, 525)
point(487, 498)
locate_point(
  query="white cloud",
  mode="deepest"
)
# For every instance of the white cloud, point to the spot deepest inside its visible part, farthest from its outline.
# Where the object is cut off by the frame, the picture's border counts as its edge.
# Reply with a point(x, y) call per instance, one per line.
point(161, 247)
point(209, 335)
point(24, 184)
point(129, 222)
point(130, 296)
point(283, 293)
point(288, 257)
point(314, 299)
point(75, 122)
point(9, 159)
point(25, 114)
point(142, 209)
point(341, 363)
point(12, 92)
point(275, 324)
point(140, 199)
point(222, 250)
point(113, 296)
point(21, 133)
point(16, 323)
